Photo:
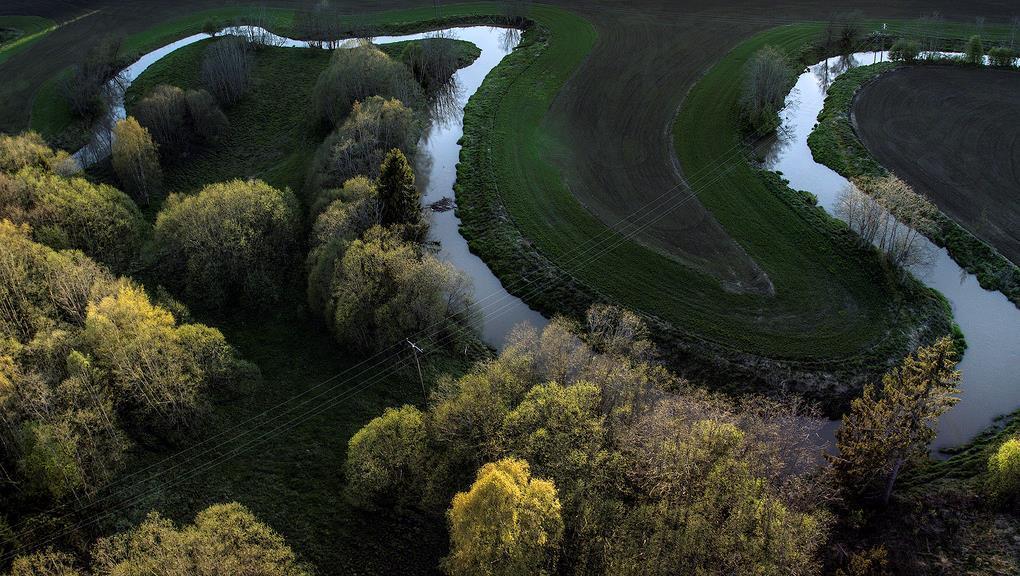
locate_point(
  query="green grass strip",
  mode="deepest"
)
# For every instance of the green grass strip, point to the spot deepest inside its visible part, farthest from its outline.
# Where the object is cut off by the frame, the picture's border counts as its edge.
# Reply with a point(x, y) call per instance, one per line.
point(833, 300)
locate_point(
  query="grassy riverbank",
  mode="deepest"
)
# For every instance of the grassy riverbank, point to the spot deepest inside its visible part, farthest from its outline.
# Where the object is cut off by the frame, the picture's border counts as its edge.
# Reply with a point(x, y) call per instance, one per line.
point(835, 144)
point(835, 304)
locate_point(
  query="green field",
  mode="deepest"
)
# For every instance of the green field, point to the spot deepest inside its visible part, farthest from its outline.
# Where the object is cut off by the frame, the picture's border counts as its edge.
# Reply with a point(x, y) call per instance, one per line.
point(17, 32)
point(834, 143)
point(833, 301)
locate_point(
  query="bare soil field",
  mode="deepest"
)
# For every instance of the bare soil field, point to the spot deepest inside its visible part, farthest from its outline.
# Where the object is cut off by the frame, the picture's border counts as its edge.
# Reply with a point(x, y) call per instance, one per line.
point(950, 133)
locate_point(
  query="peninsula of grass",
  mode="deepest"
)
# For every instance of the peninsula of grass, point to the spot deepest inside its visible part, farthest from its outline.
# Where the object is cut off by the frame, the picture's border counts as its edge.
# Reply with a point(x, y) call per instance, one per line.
point(834, 143)
point(272, 135)
point(835, 304)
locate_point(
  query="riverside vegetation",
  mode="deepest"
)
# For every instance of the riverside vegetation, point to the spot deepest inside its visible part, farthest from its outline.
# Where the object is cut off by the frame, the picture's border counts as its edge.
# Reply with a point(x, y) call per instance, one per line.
point(575, 450)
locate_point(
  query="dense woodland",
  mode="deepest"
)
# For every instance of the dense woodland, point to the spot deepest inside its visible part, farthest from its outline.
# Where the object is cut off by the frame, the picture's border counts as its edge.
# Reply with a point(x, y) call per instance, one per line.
point(574, 450)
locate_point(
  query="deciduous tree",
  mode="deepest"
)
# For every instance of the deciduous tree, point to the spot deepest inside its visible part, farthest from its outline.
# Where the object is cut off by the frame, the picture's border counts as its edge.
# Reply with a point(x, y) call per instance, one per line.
point(889, 428)
point(507, 524)
point(135, 159)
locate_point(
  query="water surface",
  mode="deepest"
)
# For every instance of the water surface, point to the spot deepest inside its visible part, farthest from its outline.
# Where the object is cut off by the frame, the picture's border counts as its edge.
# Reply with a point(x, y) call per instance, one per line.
point(990, 322)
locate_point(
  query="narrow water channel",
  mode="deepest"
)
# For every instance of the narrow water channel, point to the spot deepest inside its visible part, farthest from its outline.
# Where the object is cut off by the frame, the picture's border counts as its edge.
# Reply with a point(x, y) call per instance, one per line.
point(990, 322)
point(438, 154)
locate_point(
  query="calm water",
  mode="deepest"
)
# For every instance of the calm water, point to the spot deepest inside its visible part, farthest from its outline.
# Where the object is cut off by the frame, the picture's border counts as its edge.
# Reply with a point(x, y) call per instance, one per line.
point(438, 153)
point(991, 324)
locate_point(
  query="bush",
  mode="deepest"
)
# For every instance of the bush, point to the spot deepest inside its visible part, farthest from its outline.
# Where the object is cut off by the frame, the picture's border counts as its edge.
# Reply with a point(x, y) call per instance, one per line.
point(232, 242)
point(227, 67)
point(1002, 56)
point(75, 213)
point(135, 160)
point(349, 216)
point(355, 74)
point(359, 146)
point(767, 78)
point(975, 51)
point(904, 50)
point(207, 121)
point(1004, 473)
point(387, 457)
point(164, 114)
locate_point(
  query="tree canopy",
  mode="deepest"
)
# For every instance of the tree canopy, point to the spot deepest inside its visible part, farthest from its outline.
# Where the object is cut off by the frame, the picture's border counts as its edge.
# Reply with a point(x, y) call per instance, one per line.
point(233, 242)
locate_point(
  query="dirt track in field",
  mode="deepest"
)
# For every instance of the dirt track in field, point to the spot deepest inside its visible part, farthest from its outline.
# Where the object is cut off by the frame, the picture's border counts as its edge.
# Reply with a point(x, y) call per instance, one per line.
point(615, 115)
point(952, 133)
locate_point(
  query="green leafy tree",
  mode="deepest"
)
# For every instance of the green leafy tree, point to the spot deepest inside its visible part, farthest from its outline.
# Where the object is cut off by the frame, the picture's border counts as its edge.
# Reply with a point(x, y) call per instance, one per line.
point(384, 288)
point(1004, 472)
point(224, 539)
point(905, 50)
point(232, 242)
point(135, 159)
point(29, 150)
point(45, 563)
point(889, 428)
point(64, 212)
point(508, 523)
point(401, 200)
point(386, 458)
point(975, 52)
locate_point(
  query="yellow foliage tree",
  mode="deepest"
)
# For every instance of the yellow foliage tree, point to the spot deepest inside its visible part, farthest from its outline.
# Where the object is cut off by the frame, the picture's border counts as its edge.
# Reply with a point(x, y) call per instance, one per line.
point(888, 428)
point(507, 524)
point(135, 160)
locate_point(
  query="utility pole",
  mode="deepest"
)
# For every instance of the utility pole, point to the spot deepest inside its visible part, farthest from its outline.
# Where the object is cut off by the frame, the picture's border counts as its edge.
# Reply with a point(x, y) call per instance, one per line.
point(421, 380)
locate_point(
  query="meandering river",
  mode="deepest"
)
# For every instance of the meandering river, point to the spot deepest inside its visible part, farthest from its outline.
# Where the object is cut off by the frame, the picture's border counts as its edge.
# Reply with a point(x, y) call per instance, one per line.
point(438, 153)
point(990, 322)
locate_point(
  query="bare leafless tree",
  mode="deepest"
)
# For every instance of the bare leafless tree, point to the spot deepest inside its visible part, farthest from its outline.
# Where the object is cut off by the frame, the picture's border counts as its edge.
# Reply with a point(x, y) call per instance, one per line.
point(767, 77)
point(227, 67)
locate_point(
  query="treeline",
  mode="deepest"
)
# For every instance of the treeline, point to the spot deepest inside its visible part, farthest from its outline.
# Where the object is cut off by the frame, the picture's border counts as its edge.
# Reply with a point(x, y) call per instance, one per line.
point(574, 451)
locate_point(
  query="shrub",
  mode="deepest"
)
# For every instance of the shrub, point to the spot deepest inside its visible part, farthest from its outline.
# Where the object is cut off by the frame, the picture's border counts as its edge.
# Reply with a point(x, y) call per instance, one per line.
point(767, 77)
point(905, 50)
point(207, 121)
point(432, 60)
point(975, 51)
point(135, 160)
point(508, 523)
point(1004, 473)
point(232, 242)
point(387, 456)
point(355, 74)
point(164, 114)
point(75, 213)
point(227, 67)
point(1002, 56)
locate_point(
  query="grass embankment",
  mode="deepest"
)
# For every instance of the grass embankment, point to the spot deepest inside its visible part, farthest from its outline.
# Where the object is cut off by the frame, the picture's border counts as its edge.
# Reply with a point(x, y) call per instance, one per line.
point(17, 32)
point(834, 302)
point(273, 135)
point(834, 143)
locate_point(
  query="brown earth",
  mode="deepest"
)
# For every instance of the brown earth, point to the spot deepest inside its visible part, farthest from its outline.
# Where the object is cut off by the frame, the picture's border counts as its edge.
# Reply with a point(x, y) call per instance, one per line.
point(952, 134)
point(616, 113)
